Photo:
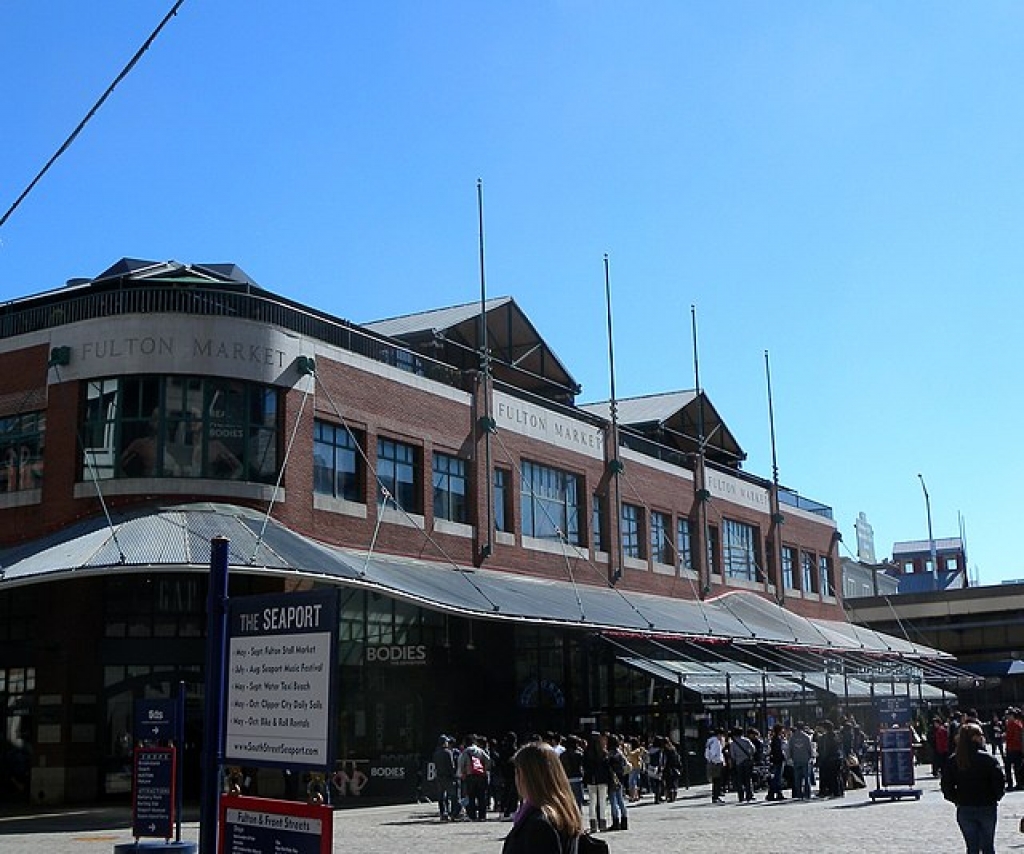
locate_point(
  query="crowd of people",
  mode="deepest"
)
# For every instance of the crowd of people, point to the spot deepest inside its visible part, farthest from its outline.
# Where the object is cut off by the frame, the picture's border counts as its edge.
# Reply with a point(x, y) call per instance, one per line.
point(607, 771)
point(599, 774)
point(1004, 736)
point(787, 758)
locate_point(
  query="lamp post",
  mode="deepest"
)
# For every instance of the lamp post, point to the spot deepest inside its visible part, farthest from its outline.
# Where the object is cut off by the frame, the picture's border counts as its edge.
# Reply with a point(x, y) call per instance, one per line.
point(931, 538)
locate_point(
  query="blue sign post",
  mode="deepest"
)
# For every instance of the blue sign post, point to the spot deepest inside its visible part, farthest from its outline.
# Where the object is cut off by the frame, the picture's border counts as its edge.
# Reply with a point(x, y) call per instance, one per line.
point(894, 767)
point(153, 792)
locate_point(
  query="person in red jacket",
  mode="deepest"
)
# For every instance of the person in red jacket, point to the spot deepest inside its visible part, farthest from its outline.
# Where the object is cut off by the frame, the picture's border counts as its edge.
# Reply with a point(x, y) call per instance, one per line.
point(1014, 730)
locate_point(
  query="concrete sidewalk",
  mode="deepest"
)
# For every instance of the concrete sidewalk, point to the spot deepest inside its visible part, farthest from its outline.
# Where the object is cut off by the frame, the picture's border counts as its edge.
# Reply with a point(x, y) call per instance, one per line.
point(692, 823)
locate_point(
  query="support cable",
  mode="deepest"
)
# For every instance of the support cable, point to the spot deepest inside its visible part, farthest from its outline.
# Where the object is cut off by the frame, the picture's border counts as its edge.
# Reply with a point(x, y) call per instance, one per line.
point(280, 475)
point(387, 494)
point(96, 484)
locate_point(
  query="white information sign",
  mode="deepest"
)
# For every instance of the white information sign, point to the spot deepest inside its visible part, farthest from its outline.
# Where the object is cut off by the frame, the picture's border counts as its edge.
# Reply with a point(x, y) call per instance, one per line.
point(280, 661)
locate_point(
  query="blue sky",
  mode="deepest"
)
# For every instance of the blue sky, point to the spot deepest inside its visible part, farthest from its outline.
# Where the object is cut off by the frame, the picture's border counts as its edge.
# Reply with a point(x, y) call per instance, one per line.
point(840, 184)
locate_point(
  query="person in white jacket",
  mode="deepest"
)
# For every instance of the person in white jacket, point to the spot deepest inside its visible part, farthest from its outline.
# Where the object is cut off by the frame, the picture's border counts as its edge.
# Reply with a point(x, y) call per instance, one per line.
point(714, 756)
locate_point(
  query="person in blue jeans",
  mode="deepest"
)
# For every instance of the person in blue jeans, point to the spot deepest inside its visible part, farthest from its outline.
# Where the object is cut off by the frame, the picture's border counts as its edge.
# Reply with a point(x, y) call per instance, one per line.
point(973, 780)
point(801, 754)
point(777, 760)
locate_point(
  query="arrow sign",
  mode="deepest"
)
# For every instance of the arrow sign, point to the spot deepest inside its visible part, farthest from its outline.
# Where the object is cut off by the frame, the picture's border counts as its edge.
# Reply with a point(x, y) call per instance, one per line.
point(154, 720)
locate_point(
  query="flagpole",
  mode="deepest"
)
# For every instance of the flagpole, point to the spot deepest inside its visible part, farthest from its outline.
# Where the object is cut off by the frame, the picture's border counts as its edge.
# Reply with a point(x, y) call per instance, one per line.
point(614, 571)
point(703, 494)
point(777, 517)
point(487, 421)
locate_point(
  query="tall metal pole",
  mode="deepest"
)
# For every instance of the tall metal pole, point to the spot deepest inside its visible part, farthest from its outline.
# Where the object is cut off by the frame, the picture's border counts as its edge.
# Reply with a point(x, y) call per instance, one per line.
point(777, 517)
point(703, 494)
point(615, 571)
point(931, 538)
point(485, 364)
point(216, 672)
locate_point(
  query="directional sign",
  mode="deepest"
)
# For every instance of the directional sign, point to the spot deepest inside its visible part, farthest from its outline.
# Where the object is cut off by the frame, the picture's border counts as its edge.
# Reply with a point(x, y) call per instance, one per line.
point(893, 711)
point(154, 720)
point(265, 826)
point(153, 792)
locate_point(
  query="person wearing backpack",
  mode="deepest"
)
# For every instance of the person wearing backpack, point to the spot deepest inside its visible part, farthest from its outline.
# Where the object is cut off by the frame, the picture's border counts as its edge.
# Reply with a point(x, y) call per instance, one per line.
point(474, 764)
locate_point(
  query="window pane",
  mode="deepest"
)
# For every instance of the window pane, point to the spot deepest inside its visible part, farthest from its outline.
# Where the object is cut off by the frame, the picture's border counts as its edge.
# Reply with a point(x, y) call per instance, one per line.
point(683, 547)
point(396, 470)
point(740, 550)
point(449, 488)
point(631, 523)
point(550, 504)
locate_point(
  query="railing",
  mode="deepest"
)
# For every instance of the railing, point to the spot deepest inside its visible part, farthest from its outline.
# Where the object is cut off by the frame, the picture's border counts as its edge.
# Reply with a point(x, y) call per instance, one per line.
point(793, 499)
point(19, 320)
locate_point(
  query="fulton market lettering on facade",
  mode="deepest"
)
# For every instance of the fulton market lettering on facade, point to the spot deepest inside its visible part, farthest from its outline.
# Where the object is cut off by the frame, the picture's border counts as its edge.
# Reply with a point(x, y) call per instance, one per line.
point(540, 424)
point(235, 351)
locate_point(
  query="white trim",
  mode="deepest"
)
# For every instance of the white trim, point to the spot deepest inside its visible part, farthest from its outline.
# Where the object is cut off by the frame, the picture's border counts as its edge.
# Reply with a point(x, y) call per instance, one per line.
point(187, 486)
point(554, 547)
point(341, 506)
point(456, 529)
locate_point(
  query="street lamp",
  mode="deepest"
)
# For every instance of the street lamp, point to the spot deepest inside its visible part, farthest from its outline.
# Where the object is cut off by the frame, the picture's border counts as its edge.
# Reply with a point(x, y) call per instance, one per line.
point(931, 538)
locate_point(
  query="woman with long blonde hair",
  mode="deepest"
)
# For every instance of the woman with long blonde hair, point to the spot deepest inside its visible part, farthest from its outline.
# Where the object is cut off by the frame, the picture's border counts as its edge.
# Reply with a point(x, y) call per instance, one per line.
point(548, 818)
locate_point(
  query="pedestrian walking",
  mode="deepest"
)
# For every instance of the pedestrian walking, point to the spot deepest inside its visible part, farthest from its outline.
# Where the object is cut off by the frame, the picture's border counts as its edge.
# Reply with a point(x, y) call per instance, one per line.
point(973, 780)
point(548, 820)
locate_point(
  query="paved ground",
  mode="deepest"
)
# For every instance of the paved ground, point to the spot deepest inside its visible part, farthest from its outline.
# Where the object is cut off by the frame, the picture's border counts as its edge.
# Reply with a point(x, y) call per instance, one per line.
point(850, 825)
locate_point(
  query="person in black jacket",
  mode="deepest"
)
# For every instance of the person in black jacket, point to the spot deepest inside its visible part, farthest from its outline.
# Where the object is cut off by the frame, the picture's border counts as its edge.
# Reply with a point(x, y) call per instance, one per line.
point(548, 818)
point(973, 780)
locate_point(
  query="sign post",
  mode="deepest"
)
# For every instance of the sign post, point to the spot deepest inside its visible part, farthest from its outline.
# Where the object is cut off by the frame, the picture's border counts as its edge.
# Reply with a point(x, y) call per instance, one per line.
point(281, 659)
point(894, 767)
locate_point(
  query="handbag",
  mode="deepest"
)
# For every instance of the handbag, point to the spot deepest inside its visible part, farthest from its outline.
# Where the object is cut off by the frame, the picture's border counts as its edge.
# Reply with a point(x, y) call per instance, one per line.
point(587, 843)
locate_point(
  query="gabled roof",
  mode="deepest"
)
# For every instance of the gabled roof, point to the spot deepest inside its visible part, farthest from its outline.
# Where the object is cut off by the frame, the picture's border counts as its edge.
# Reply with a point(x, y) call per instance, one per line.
point(136, 268)
point(519, 355)
point(674, 419)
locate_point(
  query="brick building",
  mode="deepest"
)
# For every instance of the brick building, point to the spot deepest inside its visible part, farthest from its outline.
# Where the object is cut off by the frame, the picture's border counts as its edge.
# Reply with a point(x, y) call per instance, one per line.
point(502, 561)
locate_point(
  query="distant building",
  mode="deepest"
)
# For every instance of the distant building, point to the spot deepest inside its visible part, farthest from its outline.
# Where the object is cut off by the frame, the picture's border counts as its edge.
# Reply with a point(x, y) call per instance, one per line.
point(918, 575)
point(861, 578)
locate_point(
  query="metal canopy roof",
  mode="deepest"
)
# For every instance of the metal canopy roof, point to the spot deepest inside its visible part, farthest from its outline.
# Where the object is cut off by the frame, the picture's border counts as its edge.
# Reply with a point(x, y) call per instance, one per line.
point(178, 538)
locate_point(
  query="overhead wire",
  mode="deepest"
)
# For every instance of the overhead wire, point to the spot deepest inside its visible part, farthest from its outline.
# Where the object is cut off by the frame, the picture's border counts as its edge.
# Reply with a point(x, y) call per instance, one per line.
point(88, 116)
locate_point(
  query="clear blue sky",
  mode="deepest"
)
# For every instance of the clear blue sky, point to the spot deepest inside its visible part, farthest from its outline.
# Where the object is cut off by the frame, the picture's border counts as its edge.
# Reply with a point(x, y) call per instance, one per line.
point(839, 183)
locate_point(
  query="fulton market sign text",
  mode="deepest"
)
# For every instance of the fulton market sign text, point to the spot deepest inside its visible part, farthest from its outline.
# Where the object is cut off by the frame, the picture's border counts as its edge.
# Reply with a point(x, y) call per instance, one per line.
point(231, 351)
point(214, 346)
point(546, 426)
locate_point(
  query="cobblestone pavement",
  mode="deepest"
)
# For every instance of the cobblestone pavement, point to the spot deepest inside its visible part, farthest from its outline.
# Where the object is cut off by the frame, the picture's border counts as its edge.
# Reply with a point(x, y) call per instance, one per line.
point(850, 825)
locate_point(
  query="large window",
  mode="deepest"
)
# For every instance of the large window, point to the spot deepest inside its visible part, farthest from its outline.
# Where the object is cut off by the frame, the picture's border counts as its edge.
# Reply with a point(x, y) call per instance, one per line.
point(179, 426)
point(825, 576)
point(502, 500)
point(337, 463)
point(597, 535)
point(550, 504)
point(398, 474)
point(449, 488)
point(684, 544)
point(807, 567)
point(632, 524)
point(21, 451)
point(788, 567)
point(661, 538)
point(740, 550)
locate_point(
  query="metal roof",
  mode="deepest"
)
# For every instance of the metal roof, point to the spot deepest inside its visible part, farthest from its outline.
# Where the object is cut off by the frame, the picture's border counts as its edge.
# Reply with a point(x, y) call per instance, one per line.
point(649, 409)
point(438, 318)
point(177, 538)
